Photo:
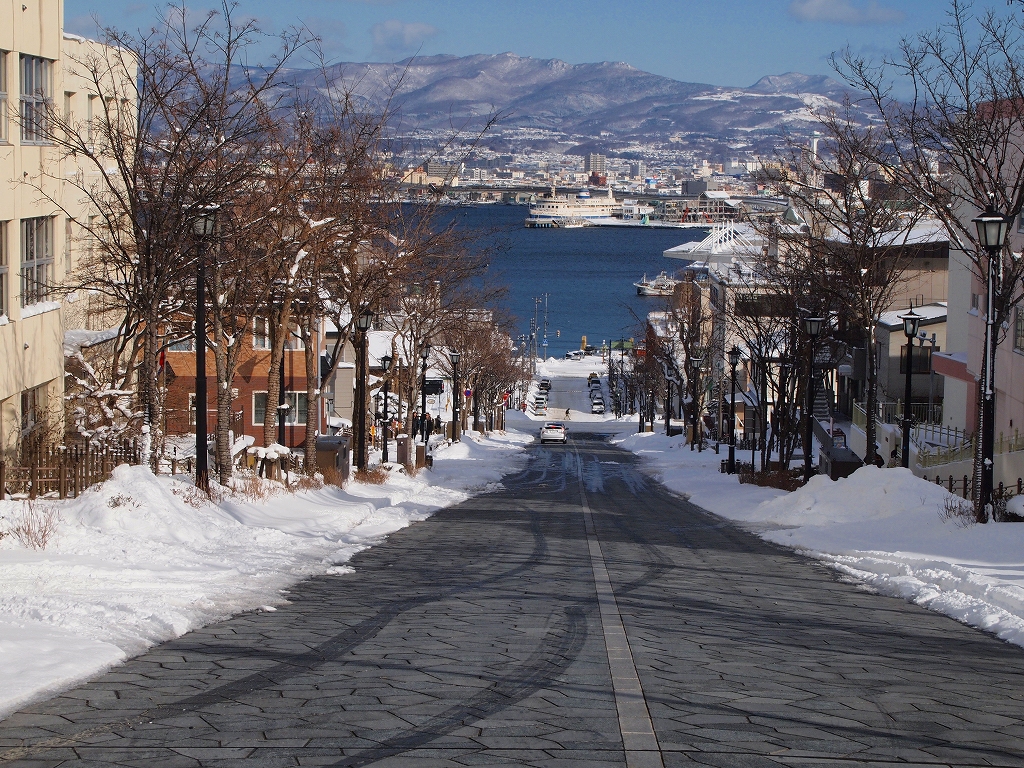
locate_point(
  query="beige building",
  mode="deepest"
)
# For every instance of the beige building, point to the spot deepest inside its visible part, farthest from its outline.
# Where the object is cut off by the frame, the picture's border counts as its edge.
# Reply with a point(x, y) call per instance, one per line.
point(39, 238)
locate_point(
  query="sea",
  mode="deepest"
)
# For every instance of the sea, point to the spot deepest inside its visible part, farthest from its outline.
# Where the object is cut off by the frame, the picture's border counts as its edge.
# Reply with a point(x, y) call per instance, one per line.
point(586, 273)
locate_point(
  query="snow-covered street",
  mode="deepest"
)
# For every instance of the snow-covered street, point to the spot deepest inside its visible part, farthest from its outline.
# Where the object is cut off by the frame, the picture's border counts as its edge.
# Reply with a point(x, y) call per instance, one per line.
point(140, 559)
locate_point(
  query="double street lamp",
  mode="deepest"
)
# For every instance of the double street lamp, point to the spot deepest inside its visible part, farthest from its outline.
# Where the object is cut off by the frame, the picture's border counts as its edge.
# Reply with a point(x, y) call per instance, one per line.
point(363, 323)
point(424, 354)
point(734, 359)
point(812, 328)
point(456, 393)
point(385, 363)
point(203, 226)
point(911, 323)
point(992, 226)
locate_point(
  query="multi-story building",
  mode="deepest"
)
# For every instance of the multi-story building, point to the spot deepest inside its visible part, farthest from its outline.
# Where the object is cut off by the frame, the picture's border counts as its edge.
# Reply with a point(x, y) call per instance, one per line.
point(39, 240)
point(595, 164)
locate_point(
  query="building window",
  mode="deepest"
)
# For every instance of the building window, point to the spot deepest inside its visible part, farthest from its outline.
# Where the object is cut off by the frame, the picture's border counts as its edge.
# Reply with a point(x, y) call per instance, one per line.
point(1018, 331)
point(975, 302)
point(32, 403)
point(3, 268)
point(36, 259)
point(260, 335)
point(183, 345)
point(35, 97)
point(3, 96)
point(922, 357)
point(298, 405)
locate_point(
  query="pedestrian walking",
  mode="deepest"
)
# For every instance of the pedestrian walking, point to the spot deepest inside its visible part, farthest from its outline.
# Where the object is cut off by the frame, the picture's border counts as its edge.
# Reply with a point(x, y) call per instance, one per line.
point(567, 416)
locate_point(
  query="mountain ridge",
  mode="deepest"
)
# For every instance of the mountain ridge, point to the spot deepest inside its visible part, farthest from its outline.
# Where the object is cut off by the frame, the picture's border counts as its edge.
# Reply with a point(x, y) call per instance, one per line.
point(611, 100)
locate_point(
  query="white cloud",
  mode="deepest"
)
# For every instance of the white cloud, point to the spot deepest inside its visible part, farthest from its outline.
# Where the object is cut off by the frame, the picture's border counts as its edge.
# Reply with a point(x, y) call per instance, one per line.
point(844, 12)
point(393, 38)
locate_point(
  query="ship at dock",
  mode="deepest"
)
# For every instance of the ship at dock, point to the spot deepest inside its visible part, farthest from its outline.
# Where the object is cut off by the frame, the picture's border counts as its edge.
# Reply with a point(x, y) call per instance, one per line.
point(579, 210)
point(603, 210)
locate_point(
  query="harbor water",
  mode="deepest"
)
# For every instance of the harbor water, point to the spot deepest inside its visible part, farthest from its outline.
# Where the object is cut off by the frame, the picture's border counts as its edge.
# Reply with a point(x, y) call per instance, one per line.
point(587, 272)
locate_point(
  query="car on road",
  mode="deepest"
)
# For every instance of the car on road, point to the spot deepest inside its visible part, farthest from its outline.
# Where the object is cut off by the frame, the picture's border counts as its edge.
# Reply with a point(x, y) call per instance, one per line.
point(544, 385)
point(553, 432)
point(597, 407)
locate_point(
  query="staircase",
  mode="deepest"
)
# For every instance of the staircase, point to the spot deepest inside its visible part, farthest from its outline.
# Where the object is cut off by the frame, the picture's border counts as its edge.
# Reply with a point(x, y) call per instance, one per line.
point(822, 400)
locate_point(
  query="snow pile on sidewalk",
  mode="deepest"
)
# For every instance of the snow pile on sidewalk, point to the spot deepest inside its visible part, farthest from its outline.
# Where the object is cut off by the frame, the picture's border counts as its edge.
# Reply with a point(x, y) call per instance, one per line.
point(884, 528)
point(141, 559)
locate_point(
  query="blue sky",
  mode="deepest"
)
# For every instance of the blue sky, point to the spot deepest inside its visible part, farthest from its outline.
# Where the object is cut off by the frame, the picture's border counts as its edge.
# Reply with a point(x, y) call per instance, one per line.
point(723, 42)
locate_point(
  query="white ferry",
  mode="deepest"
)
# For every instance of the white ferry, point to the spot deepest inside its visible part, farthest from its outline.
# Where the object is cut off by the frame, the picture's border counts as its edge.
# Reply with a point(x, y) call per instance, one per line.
point(577, 210)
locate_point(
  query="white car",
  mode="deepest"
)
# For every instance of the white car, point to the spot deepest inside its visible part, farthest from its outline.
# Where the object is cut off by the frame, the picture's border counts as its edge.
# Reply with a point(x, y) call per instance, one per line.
point(553, 432)
point(597, 406)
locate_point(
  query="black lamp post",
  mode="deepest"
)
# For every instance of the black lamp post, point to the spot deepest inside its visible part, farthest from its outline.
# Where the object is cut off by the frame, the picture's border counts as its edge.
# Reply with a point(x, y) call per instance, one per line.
point(695, 361)
point(424, 354)
point(363, 323)
point(811, 327)
point(203, 226)
point(911, 322)
point(456, 393)
point(734, 360)
point(992, 226)
point(385, 363)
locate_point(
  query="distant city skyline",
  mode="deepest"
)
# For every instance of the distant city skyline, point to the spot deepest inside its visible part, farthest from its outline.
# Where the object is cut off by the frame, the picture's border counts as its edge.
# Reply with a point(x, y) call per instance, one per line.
point(730, 42)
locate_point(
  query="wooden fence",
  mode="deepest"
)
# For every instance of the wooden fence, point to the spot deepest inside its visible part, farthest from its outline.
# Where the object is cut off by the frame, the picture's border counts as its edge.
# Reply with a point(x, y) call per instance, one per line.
point(64, 471)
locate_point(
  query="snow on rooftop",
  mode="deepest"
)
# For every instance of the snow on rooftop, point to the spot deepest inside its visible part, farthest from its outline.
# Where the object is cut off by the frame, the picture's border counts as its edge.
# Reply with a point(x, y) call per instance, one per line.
point(930, 313)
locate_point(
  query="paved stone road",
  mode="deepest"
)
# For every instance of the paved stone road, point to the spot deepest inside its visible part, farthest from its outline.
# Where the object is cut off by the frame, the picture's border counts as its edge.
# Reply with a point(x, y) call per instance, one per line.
point(495, 634)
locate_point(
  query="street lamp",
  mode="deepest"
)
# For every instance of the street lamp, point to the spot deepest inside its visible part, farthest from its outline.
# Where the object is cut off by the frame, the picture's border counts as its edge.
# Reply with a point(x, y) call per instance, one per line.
point(911, 322)
point(385, 363)
point(203, 226)
point(812, 327)
point(734, 359)
point(424, 354)
point(363, 323)
point(456, 394)
point(992, 226)
point(695, 361)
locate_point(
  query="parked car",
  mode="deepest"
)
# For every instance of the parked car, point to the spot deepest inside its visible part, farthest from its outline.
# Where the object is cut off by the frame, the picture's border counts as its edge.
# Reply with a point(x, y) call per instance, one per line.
point(597, 406)
point(575, 354)
point(544, 385)
point(553, 432)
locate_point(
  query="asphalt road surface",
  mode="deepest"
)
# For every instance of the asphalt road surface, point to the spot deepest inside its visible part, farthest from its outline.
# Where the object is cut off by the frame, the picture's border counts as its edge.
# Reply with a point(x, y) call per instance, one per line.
point(582, 616)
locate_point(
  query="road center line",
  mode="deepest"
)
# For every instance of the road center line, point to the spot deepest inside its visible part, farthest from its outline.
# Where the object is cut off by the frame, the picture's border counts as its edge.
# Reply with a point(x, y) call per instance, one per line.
point(638, 737)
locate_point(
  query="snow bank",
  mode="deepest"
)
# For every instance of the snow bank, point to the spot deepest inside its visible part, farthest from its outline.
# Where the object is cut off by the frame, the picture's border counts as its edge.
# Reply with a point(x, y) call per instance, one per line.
point(141, 559)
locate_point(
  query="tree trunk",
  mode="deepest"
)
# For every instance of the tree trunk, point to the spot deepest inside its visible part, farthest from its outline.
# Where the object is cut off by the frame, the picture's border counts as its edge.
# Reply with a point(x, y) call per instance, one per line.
point(312, 395)
point(149, 394)
point(279, 322)
point(871, 405)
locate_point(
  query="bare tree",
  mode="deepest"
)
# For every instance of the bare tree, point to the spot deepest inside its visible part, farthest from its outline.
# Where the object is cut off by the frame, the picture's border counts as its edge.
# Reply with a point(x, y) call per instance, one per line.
point(176, 118)
point(956, 144)
point(856, 236)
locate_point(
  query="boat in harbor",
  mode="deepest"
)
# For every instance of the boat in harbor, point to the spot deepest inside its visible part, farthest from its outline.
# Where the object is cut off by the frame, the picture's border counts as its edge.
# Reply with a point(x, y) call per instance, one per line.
point(579, 210)
point(662, 285)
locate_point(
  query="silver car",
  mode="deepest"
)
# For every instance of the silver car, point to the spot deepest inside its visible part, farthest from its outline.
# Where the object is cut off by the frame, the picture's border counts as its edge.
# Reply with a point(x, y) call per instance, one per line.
point(553, 432)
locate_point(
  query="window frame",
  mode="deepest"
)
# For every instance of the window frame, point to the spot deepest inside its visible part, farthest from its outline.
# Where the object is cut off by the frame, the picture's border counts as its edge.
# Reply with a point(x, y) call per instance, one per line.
point(294, 399)
point(34, 97)
point(1018, 330)
point(4, 97)
point(33, 289)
